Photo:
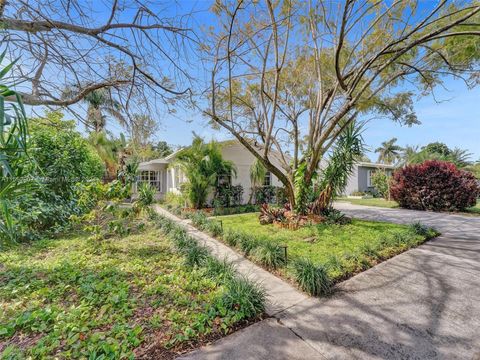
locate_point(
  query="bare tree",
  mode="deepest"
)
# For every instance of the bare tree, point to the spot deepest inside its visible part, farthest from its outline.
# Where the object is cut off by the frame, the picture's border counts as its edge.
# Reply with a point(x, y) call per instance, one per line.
point(133, 48)
point(289, 77)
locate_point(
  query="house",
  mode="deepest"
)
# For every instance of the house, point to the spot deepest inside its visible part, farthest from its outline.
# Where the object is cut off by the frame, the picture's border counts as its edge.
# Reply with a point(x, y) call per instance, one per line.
point(166, 177)
point(361, 178)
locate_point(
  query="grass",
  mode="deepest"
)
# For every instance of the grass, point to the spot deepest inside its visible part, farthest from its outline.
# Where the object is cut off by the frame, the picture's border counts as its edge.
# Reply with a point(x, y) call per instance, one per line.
point(379, 202)
point(78, 298)
point(343, 249)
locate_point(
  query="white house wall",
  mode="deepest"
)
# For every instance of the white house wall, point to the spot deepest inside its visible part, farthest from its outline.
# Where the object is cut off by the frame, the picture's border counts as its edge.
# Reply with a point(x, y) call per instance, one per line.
point(243, 160)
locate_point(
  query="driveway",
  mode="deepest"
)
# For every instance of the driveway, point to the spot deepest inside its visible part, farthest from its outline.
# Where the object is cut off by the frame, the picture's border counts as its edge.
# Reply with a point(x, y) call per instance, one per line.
point(422, 304)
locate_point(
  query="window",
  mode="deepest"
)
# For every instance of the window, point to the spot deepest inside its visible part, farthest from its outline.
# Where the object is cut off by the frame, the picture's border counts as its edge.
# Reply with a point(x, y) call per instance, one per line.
point(150, 177)
point(267, 181)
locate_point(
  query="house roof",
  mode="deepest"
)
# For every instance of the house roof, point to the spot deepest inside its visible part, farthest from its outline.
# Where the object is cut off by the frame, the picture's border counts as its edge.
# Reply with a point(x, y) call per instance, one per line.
point(376, 165)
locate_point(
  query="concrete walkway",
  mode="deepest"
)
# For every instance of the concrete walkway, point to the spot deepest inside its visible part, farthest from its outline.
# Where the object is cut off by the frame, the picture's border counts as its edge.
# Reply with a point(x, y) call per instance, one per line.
point(422, 304)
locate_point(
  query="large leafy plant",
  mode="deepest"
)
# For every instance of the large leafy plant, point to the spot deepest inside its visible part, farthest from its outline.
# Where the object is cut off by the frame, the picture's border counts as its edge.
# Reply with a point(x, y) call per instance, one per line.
point(348, 150)
point(203, 165)
point(13, 152)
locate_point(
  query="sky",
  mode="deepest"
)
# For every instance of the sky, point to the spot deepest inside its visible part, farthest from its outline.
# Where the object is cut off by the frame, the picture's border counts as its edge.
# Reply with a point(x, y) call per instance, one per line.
point(453, 117)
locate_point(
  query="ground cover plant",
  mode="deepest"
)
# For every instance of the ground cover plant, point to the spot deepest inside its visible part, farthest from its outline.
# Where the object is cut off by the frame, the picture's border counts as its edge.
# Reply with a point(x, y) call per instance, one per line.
point(153, 293)
point(318, 256)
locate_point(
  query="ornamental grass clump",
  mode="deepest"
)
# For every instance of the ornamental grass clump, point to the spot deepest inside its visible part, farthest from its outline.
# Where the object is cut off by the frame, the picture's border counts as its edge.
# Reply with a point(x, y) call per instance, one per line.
point(247, 243)
point(219, 269)
point(312, 278)
point(247, 299)
point(270, 254)
point(231, 237)
point(199, 219)
point(214, 228)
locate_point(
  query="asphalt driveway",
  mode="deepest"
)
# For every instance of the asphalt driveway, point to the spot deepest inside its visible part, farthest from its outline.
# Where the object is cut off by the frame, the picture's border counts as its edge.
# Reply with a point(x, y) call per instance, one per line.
point(422, 304)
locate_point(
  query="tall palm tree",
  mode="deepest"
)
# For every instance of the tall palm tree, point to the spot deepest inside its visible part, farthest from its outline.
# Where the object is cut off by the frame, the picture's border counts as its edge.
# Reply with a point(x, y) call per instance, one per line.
point(389, 152)
point(100, 103)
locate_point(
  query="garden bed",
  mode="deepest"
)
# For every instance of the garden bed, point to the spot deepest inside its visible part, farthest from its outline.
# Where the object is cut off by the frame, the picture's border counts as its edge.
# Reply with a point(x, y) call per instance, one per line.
point(322, 254)
point(142, 295)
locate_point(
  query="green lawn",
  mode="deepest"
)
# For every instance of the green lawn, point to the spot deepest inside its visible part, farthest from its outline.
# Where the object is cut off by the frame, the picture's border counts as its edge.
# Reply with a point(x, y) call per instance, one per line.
point(76, 298)
point(379, 202)
point(345, 249)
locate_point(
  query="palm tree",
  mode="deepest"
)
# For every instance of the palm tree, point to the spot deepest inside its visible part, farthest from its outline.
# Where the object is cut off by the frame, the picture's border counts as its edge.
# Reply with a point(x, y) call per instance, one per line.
point(203, 164)
point(460, 157)
point(389, 152)
point(99, 104)
point(257, 176)
point(409, 154)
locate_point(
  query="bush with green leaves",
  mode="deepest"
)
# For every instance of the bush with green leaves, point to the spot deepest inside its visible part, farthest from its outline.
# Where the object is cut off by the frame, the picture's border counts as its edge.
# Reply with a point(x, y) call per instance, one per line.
point(270, 254)
point(146, 197)
point(312, 278)
point(62, 164)
point(380, 180)
point(241, 209)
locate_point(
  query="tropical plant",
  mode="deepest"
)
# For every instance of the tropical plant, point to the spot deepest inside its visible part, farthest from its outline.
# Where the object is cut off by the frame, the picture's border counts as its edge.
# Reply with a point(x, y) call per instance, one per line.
point(13, 153)
point(437, 151)
point(348, 149)
point(100, 103)
point(269, 214)
point(257, 176)
point(389, 152)
point(434, 185)
point(381, 182)
point(203, 166)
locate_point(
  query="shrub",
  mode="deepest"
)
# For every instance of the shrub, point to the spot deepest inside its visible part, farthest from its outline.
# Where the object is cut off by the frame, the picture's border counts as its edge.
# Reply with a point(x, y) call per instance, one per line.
point(311, 278)
point(244, 297)
point(268, 214)
point(175, 200)
point(434, 185)
point(227, 195)
point(146, 197)
point(231, 237)
point(270, 254)
point(380, 182)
